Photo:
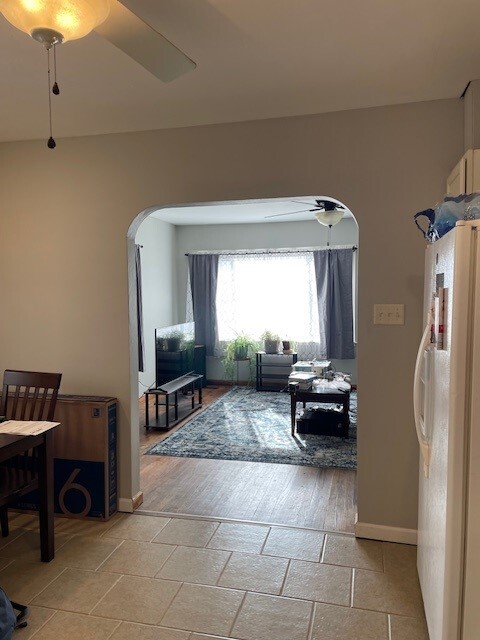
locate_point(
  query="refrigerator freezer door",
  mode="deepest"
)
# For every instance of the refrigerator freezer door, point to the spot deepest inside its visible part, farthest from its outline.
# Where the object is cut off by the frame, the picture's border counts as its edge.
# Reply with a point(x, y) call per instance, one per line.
point(441, 495)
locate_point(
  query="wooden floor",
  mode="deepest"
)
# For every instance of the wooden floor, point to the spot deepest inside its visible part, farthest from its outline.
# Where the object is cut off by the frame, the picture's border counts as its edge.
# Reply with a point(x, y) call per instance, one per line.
point(254, 491)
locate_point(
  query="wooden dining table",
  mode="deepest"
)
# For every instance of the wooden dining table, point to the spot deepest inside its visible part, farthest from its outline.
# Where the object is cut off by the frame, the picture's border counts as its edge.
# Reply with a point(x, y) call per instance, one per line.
point(13, 444)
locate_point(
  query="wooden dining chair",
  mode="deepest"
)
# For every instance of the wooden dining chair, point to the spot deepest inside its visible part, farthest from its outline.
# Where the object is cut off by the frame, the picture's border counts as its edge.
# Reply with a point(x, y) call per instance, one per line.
point(26, 395)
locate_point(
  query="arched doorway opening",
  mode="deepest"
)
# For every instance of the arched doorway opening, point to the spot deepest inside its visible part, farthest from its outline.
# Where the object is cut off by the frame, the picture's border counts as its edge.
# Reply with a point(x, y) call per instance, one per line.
point(203, 227)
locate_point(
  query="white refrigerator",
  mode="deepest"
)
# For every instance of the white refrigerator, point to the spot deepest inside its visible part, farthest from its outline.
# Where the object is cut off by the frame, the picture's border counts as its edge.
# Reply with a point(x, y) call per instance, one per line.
point(447, 418)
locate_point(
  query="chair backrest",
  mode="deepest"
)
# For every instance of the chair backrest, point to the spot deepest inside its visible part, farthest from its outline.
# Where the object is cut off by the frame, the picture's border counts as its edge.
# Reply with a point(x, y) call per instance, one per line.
point(29, 395)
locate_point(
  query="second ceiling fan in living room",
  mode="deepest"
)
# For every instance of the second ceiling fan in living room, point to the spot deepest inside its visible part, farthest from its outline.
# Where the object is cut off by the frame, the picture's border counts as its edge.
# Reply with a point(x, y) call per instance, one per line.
point(327, 212)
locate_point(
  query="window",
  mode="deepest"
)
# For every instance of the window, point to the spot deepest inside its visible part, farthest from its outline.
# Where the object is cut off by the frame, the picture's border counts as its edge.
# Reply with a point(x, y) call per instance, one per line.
point(274, 291)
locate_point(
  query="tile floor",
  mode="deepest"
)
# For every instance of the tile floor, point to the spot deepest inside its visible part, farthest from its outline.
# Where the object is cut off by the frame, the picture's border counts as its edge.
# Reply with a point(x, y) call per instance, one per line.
point(156, 578)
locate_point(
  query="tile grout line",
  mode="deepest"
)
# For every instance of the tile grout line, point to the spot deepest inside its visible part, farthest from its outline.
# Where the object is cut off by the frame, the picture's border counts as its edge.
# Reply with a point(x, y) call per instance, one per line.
point(189, 631)
point(235, 618)
point(9, 562)
point(24, 532)
point(113, 523)
point(119, 545)
point(106, 593)
point(46, 587)
point(170, 604)
point(46, 622)
point(205, 546)
point(223, 570)
point(311, 621)
point(324, 547)
point(262, 549)
point(156, 576)
point(160, 530)
point(284, 581)
point(115, 629)
point(389, 626)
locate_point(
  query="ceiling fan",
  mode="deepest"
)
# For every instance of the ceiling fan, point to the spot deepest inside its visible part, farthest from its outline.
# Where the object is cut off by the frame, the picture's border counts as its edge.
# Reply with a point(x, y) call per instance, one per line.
point(327, 213)
point(52, 22)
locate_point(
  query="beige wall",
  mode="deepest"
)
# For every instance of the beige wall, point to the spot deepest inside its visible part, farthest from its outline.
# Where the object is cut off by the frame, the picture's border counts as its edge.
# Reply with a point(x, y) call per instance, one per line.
point(63, 251)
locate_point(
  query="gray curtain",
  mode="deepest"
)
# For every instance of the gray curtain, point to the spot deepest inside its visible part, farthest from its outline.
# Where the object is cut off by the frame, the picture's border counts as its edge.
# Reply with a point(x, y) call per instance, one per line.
point(203, 282)
point(138, 277)
point(333, 273)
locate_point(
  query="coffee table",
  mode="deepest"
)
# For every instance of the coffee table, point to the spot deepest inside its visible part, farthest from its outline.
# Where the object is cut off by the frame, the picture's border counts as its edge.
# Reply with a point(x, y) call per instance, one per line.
point(326, 393)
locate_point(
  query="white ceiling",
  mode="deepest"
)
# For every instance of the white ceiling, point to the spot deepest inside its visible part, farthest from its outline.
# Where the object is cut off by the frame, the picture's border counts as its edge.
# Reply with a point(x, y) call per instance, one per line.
point(242, 212)
point(256, 59)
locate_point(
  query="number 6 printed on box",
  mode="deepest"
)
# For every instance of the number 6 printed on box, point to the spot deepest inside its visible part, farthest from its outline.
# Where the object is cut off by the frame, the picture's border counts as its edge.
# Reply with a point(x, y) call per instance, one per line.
point(69, 486)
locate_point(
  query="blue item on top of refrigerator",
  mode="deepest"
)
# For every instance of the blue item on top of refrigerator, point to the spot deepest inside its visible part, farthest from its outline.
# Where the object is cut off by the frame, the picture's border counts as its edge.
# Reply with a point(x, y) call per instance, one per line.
point(447, 213)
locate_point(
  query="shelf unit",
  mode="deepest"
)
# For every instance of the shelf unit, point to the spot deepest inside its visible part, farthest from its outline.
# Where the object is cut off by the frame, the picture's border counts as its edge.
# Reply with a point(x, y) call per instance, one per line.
point(269, 366)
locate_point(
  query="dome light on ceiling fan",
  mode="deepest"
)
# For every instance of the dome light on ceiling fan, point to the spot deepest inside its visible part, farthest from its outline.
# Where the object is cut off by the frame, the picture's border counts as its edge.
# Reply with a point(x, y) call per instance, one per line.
point(52, 22)
point(329, 218)
point(55, 21)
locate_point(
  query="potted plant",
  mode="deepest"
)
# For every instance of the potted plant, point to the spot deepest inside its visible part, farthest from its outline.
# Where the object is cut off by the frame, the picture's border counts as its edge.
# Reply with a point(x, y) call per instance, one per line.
point(240, 348)
point(288, 346)
point(174, 340)
point(270, 341)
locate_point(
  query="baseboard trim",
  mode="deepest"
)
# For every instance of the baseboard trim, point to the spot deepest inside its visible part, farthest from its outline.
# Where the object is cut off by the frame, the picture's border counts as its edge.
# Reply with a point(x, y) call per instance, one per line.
point(137, 500)
point(128, 505)
point(387, 534)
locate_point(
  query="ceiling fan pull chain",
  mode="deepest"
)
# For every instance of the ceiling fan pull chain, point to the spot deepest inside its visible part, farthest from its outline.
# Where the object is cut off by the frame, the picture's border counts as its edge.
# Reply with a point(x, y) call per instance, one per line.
point(55, 88)
point(51, 144)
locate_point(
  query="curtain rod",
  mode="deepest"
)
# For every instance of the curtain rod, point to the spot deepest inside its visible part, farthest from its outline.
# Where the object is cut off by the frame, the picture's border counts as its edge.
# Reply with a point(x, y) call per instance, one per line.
point(267, 251)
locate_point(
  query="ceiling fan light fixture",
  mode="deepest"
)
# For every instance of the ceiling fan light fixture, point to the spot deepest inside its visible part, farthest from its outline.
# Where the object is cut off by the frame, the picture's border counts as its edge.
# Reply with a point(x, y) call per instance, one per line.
point(329, 218)
point(55, 21)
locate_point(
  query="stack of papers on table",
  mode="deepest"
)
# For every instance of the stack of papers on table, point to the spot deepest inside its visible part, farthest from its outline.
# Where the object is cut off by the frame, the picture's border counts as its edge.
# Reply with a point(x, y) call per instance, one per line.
point(304, 379)
point(342, 385)
point(302, 365)
point(301, 376)
point(331, 386)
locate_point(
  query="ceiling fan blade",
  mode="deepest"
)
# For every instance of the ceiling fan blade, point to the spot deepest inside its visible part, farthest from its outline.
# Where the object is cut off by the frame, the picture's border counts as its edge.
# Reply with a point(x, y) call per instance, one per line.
point(291, 213)
point(145, 45)
point(310, 204)
point(320, 204)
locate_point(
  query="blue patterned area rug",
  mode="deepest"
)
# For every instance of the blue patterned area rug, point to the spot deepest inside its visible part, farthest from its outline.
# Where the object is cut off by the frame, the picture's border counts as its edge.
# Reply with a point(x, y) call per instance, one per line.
point(253, 426)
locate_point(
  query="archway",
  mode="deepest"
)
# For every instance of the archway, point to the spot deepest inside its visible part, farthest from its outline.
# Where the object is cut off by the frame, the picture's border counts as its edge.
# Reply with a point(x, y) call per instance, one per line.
point(179, 210)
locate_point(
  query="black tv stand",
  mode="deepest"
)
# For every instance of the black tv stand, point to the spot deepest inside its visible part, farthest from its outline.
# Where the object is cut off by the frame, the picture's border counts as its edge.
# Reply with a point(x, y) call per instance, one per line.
point(186, 383)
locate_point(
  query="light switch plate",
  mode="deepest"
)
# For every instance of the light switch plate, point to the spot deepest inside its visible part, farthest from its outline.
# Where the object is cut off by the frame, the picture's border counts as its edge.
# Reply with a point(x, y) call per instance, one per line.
point(388, 314)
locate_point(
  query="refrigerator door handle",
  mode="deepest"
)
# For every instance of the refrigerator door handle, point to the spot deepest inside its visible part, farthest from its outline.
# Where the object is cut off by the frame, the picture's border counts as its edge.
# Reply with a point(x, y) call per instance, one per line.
point(417, 397)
